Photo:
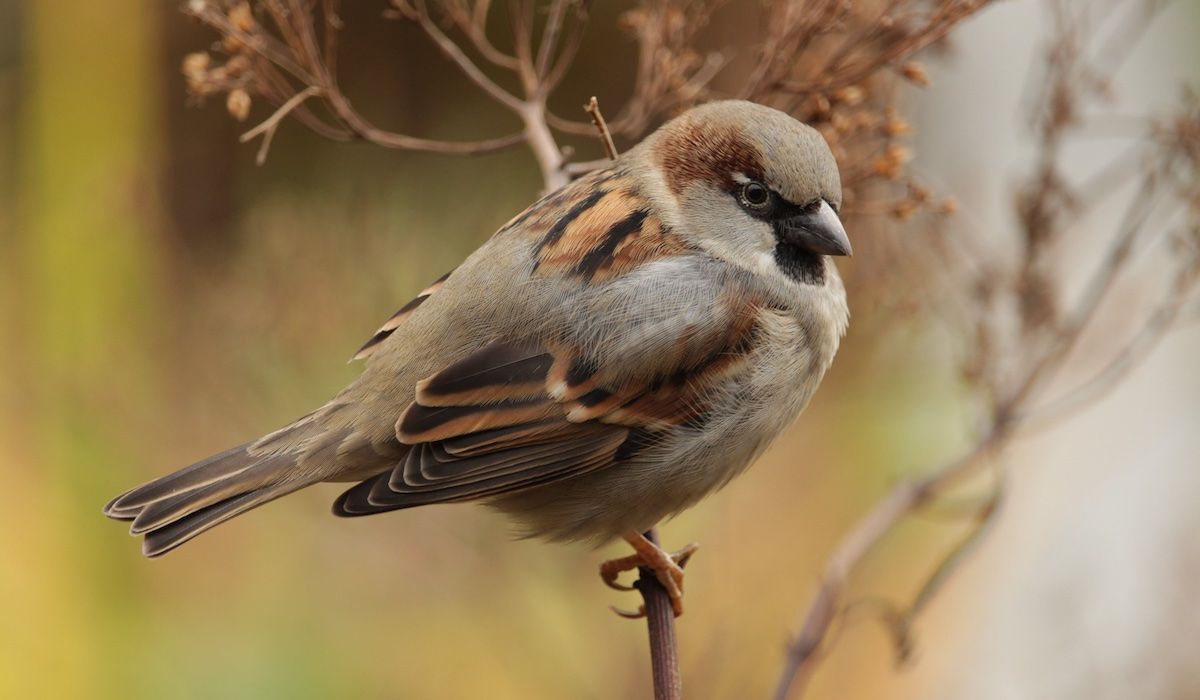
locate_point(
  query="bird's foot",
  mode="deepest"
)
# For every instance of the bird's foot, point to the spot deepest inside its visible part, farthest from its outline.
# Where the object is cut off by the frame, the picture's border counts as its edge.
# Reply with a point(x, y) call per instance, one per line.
point(667, 568)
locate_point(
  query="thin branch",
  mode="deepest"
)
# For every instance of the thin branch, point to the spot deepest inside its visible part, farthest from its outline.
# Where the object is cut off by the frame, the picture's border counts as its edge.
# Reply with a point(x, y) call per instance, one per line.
point(521, 14)
point(333, 25)
point(1138, 347)
point(566, 57)
point(802, 653)
point(465, 64)
point(836, 74)
point(305, 59)
point(264, 45)
point(277, 88)
point(545, 149)
point(267, 128)
point(1097, 289)
point(550, 35)
point(593, 110)
point(660, 623)
point(474, 27)
point(585, 166)
point(389, 139)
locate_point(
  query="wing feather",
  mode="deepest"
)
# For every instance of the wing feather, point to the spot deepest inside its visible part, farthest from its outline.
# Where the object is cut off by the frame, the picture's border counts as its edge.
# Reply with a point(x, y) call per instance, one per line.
point(519, 413)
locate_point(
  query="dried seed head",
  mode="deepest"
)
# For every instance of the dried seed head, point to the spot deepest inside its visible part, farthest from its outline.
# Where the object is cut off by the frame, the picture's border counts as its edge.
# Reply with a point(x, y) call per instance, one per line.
point(237, 65)
point(238, 104)
point(819, 107)
point(840, 122)
point(242, 17)
point(866, 119)
point(895, 125)
point(904, 209)
point(891, 163)
point(849, 96)
point(915, 73)
point(195, 65)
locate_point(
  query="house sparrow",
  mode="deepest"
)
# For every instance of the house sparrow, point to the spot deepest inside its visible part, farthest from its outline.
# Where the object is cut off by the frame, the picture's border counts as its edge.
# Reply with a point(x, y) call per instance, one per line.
point(619, 350)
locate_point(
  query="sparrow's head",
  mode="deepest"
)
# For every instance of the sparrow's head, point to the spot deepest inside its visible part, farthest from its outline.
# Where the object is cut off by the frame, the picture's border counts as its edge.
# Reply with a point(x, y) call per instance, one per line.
point(752, 185)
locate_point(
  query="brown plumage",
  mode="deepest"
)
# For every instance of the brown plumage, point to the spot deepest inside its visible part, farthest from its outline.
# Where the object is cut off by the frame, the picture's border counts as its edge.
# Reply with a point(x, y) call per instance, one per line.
point(617, 351)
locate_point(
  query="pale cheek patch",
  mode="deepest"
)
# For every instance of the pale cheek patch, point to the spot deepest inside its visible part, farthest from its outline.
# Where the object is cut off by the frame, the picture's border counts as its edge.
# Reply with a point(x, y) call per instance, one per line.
point(764, 263)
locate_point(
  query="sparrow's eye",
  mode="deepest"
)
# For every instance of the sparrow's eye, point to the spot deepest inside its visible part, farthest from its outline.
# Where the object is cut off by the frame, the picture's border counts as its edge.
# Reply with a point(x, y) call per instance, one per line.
point(755, 196)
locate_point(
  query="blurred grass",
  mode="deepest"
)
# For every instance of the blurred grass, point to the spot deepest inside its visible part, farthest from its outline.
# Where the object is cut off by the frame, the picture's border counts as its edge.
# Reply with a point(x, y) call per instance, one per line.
point(126, 353)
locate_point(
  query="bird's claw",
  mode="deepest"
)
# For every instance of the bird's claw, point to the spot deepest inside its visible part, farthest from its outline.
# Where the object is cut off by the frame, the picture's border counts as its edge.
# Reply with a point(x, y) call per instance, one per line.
point(667, 568)
point(629, 614)
point(611, 569)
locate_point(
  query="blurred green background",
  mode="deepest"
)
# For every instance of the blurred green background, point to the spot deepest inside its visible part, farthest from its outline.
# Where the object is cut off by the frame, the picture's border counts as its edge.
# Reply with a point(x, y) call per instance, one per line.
point(162, 298)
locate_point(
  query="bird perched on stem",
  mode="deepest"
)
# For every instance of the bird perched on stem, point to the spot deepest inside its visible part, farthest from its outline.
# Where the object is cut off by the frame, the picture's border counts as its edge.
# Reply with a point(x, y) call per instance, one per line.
point(619, 350)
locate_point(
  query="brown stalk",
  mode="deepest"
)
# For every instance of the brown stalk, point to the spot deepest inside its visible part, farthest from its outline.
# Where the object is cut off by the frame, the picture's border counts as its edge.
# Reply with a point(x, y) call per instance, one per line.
point(660, 622)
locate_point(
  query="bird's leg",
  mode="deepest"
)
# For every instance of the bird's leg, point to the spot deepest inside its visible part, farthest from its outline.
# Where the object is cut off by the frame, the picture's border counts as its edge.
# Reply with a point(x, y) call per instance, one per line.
point(667, 568)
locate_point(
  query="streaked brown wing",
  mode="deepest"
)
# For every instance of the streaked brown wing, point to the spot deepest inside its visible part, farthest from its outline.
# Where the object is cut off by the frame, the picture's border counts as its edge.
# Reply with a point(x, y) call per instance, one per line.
point(510, 417)
point(483, 426)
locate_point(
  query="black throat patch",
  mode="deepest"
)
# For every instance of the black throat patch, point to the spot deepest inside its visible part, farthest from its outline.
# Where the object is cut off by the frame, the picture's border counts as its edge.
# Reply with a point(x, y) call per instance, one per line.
point(801, 265)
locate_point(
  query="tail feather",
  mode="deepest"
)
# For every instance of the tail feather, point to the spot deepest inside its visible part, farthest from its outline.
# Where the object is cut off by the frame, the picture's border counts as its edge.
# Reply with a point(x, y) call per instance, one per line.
point(159, 542)
point(177, 507)
point(159, 513)
point(322, 445)
point(203, 473)
point(156, 514)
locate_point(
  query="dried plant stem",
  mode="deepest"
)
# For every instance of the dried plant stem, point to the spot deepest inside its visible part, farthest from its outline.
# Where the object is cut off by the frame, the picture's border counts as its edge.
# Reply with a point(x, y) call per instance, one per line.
point(267, 128)
point(545, 149)
point(593, 109)
point(803, 653)
point(660, 621)
point(531, 110)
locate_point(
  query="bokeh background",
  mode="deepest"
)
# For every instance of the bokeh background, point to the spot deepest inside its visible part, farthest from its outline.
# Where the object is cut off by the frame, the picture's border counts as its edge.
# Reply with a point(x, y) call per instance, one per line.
point(161, 298)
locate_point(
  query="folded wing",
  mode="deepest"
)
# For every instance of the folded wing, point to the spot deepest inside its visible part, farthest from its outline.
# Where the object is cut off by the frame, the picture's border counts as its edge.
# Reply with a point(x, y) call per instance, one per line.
point(646, 332)
point(514, 416)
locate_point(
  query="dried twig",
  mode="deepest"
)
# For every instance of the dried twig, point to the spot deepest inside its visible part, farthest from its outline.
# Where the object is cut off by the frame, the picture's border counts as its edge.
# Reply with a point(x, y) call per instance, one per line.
point(267, 128)
point(660, 621)
point(593, 109)
point(267, 64)
point(804, 653)
point(294, 46)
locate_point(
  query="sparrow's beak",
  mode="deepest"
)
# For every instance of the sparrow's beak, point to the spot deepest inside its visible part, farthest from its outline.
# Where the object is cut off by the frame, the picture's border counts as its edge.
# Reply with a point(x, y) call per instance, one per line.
point(819, 231)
